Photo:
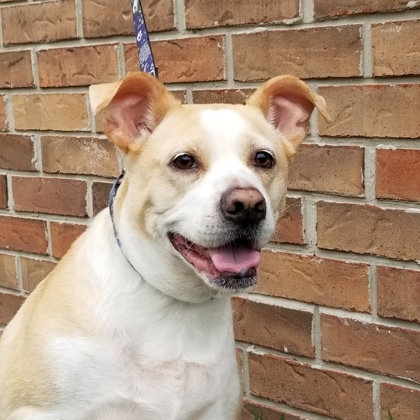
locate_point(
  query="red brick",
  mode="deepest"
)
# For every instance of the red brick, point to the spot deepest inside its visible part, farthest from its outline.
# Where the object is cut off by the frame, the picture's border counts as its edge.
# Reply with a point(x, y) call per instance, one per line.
point(305, 53)
point(198, 59)
point(264, 412)
point(26, 235)
point(365, 229)
point(39, 22)
point(398, 293)
point(9, 305)
point(81, 155)
point(210, 13)
point(34, 271)
point(180, 95)
point(56, 111)
point(402, 403)
point(16, 152)
point(396, 48)
point(63, 235)
point(50, 195)
point(328, 169)
point(100, 194)
point(289, 228)
point(372, 347)
point(104, 18)
point(272, 326)
point(311, 279)
point(371, 111)
point(3, 117)
point(322, 391)
point(3, 192)
point(80, 66)
point(397, 174)
point(16, 69)
point(8, 274)
point(333, 8)
point(222, 96)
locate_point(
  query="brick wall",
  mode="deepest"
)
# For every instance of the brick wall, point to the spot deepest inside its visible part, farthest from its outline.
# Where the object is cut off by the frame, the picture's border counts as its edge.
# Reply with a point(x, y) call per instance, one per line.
point(333, 328)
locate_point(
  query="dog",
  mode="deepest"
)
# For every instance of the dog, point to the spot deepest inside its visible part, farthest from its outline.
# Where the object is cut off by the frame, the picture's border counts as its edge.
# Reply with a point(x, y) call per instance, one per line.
point(135, 321)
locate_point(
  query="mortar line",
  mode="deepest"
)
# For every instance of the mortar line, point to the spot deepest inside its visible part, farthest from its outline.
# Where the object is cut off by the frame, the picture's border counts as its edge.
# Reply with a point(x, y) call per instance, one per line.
point(180, 22)
point(121, 60)
point(307, 8)
point(228, 62)
point(376, 396)
point(79, 16)
point(366, 56)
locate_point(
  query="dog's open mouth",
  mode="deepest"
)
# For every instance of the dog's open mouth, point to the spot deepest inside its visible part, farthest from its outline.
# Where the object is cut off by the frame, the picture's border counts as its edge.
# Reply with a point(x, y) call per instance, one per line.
point(233, 265)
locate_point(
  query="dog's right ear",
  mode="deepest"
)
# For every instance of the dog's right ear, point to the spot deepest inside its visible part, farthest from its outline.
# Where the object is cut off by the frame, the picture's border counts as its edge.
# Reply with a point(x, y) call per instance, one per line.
point(132, 108)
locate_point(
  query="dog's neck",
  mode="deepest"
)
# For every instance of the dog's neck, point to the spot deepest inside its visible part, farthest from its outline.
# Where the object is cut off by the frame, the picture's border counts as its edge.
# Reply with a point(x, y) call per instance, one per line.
point(138, 264)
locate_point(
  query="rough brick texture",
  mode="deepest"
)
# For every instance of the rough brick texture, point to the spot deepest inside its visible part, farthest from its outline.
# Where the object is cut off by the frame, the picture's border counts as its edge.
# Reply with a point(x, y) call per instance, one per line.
point(395, 48)
point(209, 13)
point(265, 412)
point(289, 228)
point(306, 53)
point(398, 293)
point(100, 194)
point(375, 228)
point(373, 347)
point(185, 60)
point(290, 329)
point(78, 66)
point(50, 195)
point(39, 22)
point(105, 18)
point(55, 111)
point(401, 402)
point(321, 391)
point(339, 281)
point(85, 155)
point(397, 174)
point(8, 274)
point(332, 8)
point(372, 111)
point(20, 234)
point(221, 96)
point(16, 69)
point(333, 170)
point(34, 271)
point(63, 235)
point(9, 305)
point(16, 152)
point(317, 280)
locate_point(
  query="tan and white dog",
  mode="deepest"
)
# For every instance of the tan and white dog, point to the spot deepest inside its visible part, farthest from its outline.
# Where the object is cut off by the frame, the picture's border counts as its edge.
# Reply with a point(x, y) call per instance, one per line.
point(143, 330)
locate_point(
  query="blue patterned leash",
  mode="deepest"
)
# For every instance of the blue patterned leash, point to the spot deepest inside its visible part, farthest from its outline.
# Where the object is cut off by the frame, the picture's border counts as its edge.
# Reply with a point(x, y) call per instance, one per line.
point(147, 62)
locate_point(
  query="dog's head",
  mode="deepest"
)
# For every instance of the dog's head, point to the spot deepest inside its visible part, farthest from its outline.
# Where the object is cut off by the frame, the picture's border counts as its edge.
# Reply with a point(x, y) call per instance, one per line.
point(205, 184)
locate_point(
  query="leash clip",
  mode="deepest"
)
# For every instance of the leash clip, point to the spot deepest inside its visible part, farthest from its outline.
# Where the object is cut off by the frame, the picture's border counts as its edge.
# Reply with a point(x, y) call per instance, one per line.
point(136, 6)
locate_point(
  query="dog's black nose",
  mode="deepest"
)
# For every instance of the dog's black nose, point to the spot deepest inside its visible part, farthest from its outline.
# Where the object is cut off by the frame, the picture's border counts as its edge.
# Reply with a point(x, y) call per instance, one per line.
point(244, 206)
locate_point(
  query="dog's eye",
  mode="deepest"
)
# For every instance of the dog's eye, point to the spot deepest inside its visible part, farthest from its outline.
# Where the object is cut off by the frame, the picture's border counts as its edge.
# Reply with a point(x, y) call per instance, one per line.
point(264, 159)
point(184, 162)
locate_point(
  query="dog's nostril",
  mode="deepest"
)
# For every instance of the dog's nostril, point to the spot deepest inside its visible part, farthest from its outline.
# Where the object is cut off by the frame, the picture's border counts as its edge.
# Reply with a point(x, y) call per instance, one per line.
point(243, 205)
point(235, 208)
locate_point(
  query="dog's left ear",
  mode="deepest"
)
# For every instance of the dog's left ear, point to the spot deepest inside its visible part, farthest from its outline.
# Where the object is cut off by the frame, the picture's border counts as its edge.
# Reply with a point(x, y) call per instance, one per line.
point(287, 103)
point(132, 108)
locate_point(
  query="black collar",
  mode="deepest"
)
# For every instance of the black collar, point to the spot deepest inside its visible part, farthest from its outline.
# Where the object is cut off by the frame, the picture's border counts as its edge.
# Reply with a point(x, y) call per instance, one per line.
point(112, 195)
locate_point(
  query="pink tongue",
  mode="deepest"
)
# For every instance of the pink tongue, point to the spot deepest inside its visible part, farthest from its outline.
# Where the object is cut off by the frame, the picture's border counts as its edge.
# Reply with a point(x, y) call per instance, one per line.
point(236, 258)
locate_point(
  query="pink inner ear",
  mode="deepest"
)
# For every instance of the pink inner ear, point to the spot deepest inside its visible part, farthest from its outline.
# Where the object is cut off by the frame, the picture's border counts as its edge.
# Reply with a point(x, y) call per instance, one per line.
point(289, 115)
point(128, 118)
